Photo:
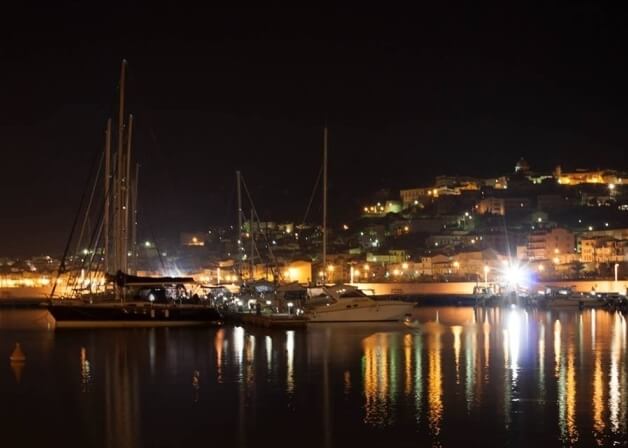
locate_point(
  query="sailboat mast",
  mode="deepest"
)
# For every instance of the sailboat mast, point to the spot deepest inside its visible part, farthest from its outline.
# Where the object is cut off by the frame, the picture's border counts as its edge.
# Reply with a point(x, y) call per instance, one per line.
point(252, 247)
point(239, 223)
point(325, 203)
point(120, 171)
point(107, 192)
point(127, 198)
point(134, 216)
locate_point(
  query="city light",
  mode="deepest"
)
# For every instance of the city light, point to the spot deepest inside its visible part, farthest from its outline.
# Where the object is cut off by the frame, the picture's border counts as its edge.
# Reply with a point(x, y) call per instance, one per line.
point(514, 274)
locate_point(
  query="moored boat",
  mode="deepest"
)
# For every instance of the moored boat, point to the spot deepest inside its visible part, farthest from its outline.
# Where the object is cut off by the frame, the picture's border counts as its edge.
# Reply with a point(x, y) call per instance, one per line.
point(78, 314)
point(343, 303)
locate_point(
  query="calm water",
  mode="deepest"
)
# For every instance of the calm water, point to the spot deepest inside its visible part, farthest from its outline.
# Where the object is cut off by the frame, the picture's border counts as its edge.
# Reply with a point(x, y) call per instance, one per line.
point(497, 378)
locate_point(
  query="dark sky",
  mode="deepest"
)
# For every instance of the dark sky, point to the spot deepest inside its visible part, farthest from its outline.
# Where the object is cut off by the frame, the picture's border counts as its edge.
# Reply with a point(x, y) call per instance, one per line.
point(407, 94)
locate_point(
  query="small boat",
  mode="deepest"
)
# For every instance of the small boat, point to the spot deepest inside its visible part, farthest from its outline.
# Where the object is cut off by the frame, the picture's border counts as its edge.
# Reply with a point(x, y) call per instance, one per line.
point(486, 295)
point(345, 303)
point(567, 298)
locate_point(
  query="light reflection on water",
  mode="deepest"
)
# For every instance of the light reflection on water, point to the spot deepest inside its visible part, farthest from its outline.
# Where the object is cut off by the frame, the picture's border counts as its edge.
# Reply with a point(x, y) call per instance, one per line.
point(481, 375)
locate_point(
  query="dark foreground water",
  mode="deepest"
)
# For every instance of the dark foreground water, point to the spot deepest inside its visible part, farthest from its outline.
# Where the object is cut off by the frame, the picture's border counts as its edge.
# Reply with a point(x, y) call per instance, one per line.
point(496, 378)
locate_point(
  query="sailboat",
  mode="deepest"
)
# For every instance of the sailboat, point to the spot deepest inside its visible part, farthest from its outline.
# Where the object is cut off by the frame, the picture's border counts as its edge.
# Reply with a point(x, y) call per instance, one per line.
point(109, 295)
point(346, 303)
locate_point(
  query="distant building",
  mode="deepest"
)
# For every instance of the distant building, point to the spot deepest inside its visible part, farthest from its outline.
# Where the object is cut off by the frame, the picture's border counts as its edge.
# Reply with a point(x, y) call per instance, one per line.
point(502, 206)
point(580, 176)
point(191, 239)
point(603, 249)
point(381, 209)
point(549, 244)
point(414, 196)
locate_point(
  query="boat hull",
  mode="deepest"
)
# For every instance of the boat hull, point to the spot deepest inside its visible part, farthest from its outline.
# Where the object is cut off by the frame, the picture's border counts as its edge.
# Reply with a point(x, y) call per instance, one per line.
point(384, 312)
point(131, 315)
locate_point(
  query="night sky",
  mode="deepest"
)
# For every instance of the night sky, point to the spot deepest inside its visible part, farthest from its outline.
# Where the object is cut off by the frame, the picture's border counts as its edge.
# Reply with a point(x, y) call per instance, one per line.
point(407, 94)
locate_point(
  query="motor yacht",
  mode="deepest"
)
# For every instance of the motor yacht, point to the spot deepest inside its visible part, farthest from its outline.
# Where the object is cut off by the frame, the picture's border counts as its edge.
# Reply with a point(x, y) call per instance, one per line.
point(344, 303)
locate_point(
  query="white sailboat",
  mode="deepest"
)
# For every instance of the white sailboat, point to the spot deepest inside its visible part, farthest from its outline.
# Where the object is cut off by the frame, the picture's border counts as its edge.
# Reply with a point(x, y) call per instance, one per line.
point(345, 303)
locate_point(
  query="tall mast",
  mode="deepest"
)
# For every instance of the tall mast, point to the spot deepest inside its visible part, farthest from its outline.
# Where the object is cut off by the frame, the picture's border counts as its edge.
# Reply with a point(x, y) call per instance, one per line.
point(120, 170)
point(252, 247)
point(134, 192)
point(107, 192)
point(239, 229)
point(127, 197)
point(325, 203)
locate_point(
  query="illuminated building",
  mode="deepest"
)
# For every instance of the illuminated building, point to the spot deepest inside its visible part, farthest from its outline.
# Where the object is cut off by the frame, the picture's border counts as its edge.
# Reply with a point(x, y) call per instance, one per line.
point(502, 206)
point(547, 244)
point(381, 209)
point(581, 176)
point(603, 249)
point(193, 239)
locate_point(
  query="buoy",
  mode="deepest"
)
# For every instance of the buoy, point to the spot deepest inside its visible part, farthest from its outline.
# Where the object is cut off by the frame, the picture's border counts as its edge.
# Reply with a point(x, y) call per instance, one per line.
point(18, 354)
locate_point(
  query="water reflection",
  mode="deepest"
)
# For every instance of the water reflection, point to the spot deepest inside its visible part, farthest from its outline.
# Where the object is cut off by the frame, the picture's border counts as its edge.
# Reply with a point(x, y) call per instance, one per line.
point(434, 380)
point(86, 375)
point(290, 360)
point(481, 375)
point(524, 369)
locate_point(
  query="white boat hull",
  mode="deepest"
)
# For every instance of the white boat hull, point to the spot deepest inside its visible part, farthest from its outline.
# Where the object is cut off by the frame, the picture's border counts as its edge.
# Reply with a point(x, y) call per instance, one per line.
point(379, 312)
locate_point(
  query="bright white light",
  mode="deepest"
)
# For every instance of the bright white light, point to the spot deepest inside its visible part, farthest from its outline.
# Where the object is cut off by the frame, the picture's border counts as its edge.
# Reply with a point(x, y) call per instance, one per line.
point(514, 275)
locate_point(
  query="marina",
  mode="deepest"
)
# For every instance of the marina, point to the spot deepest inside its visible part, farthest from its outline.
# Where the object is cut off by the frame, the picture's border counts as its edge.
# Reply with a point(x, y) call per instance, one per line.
point(308, 226)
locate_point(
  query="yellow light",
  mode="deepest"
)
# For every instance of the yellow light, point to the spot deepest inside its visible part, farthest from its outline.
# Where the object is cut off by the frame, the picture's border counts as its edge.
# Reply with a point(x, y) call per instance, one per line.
point(456, 264)
point(346, 227)
point(321, 273)
point(194, 240)
point(486, 269)
point(330, 268)
point(406, 228)
point(541, 268)
point(356, 272)
point(366, 267)
point(404, 266)
point(556, 260)
point(396, 272)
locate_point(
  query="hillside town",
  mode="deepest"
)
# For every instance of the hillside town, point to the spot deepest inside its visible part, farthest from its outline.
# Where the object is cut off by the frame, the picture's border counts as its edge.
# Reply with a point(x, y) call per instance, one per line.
point(560, 224)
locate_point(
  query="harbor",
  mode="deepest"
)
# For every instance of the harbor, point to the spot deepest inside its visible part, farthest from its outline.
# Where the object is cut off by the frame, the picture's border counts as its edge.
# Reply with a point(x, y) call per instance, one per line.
point(314, 226)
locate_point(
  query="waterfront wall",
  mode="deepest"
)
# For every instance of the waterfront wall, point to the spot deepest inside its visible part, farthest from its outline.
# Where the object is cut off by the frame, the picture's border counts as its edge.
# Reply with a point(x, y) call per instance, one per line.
point(25, 292)
point(464, 288)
